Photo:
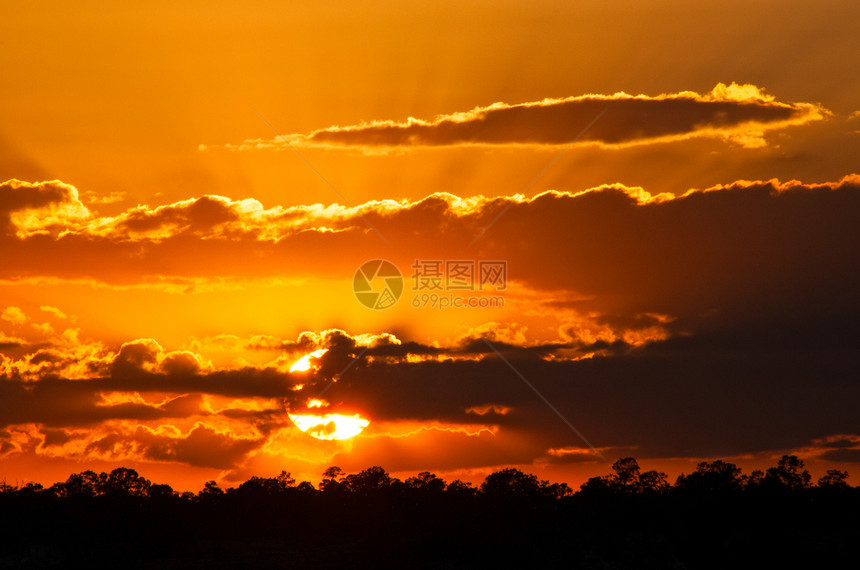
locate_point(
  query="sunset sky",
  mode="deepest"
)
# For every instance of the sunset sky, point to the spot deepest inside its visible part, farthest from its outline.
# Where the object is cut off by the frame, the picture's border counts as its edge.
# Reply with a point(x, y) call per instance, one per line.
point(652, 209)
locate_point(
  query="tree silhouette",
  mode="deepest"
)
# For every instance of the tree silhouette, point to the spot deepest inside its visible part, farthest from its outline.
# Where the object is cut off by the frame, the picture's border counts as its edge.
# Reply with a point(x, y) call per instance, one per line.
point(557, 490)
point(266, 486)
point(306, 488)
point(370, 480)
point(160, 491)
point(460, 489)
point(84, 484)
point(123, 481)
point(715, 477)
point(653, 482)
point(834, 479)
point(597, 487)
point(511, 482)
point(31, 489)
point(627, 518)
point(627, 479)
point(332, 480)
point(211, 489)
point(426, 482)
point(284, 481)
point(754, 480)
point(788, 474)
point(626, 474)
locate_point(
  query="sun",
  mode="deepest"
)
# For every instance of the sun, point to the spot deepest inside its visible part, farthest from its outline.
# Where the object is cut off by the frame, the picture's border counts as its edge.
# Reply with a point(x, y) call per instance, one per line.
point(303, 364)
point(330, 426)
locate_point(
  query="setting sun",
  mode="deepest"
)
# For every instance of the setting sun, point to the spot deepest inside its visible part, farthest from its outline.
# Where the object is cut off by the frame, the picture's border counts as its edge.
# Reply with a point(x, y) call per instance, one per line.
point(303, 364)
point(330, 426)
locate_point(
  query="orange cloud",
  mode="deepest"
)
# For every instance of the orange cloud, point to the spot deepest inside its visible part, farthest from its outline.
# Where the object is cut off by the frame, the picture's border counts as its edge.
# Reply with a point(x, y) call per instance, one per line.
point(35, 208)
point(245, 243)
point(57, 313)
point(485, 409)
point(739, 113)
point(575, 454)
point(671, 312)
point(14, 315)
point(201, 446)
point(133, 405)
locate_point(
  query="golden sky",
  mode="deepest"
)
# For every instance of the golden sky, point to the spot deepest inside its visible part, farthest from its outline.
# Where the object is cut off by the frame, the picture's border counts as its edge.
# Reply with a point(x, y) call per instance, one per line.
point(670, 188)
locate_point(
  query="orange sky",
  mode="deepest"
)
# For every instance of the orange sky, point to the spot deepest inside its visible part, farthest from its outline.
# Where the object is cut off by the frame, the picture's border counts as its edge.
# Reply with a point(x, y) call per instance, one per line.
point(671, 188)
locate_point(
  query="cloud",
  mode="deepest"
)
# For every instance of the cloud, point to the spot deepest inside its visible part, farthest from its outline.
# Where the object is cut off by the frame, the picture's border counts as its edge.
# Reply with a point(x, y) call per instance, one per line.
point(602, 232)
point(838, 448)
point(719, 322)
point(137, 402)
point(112, 198)
point(851, 455)
point(54, 311)
point(680, 396)
point(758, 251)
point(668, 403)
point(14, 315)
point(8, 342)
point(200, 446)
point(31, 208)
point(739, 113)
point(574, 454)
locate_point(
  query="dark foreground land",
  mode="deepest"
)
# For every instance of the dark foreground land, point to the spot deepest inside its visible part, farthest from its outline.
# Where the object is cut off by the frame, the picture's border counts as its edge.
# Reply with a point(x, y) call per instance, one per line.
point(715, 517)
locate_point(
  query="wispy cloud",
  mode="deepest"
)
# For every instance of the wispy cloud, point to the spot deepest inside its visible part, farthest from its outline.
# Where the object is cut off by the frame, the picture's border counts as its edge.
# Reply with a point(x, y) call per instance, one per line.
point(742, 114)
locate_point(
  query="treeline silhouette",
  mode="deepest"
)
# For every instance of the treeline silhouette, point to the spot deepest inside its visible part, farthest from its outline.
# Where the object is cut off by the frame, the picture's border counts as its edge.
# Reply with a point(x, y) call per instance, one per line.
point(715, 517)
